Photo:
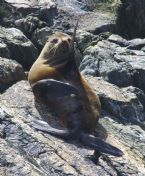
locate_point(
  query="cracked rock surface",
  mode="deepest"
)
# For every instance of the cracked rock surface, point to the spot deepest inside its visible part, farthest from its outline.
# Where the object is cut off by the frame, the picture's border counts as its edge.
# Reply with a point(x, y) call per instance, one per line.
point(25, 151)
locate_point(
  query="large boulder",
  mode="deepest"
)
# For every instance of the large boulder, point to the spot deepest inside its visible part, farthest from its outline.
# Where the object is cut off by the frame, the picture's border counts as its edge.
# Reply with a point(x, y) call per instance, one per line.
point(29, 25)
point(84, 39)
point(125, 103)
point(25, 151)
point(44, 9)
point(4, 51)
point(10, 73)
point(40, 36)
point(117, 60)
point(20, 47)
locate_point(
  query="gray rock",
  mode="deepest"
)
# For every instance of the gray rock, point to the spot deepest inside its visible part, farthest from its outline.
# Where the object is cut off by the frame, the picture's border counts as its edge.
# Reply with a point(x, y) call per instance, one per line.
point(25, 151)
point(136, 44)
point(10, 73)
point(31, 3)
point(115, 62)
point(126, 103)
point(100, 22)
point(132, 138)
point(29, 24)
point(4, 51)
point(118, 40)
point(75, 6)
point(40, 36)
point(43, 9)
point(84, 39)
point(20, 47)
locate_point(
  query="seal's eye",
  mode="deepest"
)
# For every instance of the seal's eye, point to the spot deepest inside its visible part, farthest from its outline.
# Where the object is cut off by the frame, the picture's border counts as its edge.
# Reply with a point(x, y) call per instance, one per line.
point(54, 41)
point(69, 40)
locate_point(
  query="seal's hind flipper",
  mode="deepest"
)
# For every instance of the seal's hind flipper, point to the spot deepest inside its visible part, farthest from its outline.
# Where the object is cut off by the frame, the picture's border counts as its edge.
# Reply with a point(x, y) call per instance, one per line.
point(46, 128)
point(54, 88)
point(99, 145)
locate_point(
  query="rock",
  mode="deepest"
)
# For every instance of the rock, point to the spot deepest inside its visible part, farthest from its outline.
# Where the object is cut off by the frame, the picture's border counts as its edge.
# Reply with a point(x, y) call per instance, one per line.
point(25, 151)
point(30, 3)
point(41, 36)
point(70, 11)
point(75, 6)
point(90, 66)
point(118, 40)
point(4, 51)
point(115, 62)
point(126, 103)
point(20, 47)
point(132, 138)
point(29, 24)
point(43, 9)
point(100, 22)
point(84, 39)
point(136, 44)
point(10, 73)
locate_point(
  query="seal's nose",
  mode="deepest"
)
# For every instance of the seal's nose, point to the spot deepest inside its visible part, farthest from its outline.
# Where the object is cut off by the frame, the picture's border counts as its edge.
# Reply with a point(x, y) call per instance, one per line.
point(65, 46)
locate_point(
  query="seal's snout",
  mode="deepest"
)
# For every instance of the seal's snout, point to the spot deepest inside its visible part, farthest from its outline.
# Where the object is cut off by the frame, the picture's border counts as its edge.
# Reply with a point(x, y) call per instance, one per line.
point(65, 46)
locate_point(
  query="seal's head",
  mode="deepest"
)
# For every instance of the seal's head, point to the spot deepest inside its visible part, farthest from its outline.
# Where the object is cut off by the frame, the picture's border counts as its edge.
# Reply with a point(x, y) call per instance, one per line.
point(58, 49)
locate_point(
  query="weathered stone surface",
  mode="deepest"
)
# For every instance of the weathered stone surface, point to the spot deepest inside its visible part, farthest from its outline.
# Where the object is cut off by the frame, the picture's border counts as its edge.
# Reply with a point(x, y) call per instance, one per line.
point(100, 22)
point(10, 73)
point(25, 151)
point(41, 36)
point(70, 11)
point(116, 63)
point(29, 24)
point(43, 9)
point(126, 103)
point(4, 51)
point(20, 47)
point(31, 3)
point(85, 39)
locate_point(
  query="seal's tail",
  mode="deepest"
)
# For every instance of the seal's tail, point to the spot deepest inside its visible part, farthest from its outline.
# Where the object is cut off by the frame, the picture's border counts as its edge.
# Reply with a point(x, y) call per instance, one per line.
point(89, 140)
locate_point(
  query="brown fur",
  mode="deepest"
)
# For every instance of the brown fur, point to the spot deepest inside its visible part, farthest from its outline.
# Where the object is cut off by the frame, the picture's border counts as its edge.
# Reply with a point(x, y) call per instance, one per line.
point(55, 64)
point(56, 80)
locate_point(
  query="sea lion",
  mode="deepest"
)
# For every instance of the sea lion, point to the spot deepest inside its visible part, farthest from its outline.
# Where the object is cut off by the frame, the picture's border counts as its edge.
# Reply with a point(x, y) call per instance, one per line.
point(57, 82)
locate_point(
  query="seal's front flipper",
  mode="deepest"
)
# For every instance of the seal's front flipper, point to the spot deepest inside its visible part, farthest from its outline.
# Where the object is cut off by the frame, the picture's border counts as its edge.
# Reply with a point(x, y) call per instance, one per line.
point(99, 145)
point(46, 128)
point(53, 88)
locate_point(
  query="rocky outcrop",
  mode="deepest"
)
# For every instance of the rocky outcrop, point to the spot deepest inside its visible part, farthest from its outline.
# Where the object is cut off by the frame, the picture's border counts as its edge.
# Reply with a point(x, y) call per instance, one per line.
point(118, 61)
point(125, 103)
point(29, 25)
point(41, 36)
point(84, 39)
point(4, 51)
point(40, 8)
point(19, 46)
point(26, 151)
point(10, 73)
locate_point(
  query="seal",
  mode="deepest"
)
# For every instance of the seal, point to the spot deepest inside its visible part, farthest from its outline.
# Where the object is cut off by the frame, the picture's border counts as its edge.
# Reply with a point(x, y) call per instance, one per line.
point(56, 81)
